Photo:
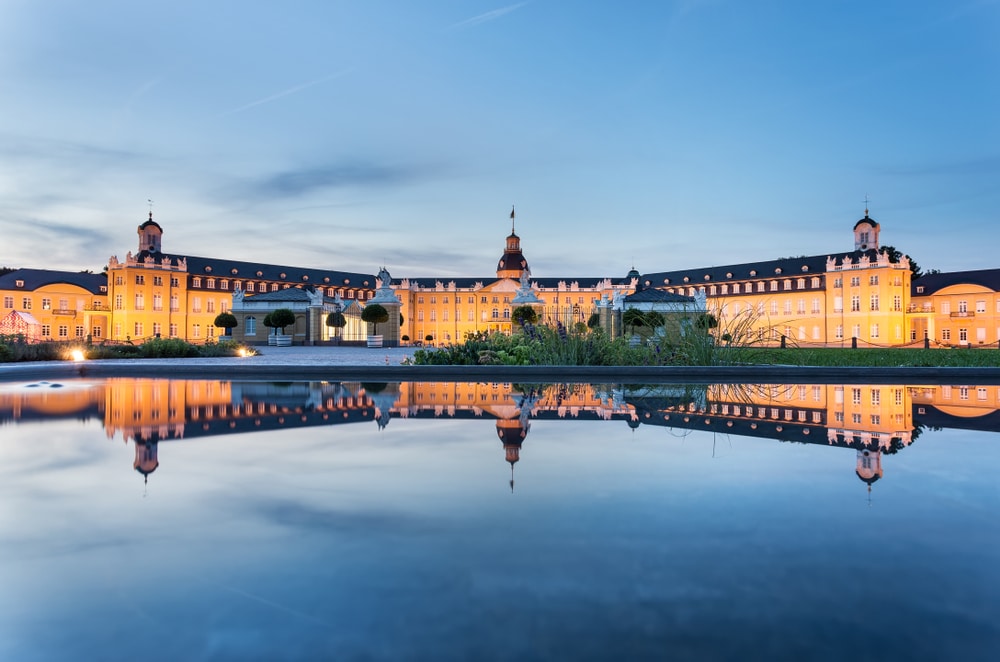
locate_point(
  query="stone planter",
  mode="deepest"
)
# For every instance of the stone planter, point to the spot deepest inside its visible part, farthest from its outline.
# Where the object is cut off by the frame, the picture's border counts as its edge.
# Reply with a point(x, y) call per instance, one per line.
point(375, 342)
point(282, 341)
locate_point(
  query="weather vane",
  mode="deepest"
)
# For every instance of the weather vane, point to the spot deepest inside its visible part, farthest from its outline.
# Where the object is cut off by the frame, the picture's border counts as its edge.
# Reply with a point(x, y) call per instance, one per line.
point(866, 204)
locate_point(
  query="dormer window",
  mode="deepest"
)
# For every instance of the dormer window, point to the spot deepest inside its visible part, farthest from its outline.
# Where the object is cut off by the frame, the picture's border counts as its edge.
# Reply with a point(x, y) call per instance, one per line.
point(208, 269)
point(19, 283)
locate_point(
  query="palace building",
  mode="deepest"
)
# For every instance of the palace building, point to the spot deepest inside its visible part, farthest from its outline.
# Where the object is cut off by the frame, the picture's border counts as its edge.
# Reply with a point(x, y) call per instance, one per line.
point(444, 310)
point(866, 297)
point(156, 294)
point(858, 296)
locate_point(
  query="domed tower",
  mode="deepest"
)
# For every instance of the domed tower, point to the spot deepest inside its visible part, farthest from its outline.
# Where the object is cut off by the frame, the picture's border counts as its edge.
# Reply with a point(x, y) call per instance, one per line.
point(866, 234)
point(512, 263)
point(150, 234)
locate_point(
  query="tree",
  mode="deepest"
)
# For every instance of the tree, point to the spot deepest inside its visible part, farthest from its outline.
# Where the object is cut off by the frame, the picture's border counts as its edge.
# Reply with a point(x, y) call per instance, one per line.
point(524, 315)
point(594, 321)
point(268, 322)
point(226, 321)
point(375, 314)
point(706, 321)
point(654, 319)
point(336, 320)
point(281, 318)
point(633, 318)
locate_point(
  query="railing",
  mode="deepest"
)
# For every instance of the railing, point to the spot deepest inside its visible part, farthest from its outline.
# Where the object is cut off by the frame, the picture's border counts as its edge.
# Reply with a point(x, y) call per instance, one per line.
point(66, 312)
point(963, 313)
point(919, 308)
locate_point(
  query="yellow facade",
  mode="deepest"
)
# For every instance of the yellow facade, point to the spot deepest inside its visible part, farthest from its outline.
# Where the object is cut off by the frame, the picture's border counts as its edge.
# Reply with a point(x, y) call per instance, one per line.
point(959, 315)
point(64, 310)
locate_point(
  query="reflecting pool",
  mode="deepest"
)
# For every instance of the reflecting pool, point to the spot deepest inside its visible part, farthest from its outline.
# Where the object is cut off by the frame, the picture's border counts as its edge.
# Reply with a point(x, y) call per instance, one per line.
point(217, 520)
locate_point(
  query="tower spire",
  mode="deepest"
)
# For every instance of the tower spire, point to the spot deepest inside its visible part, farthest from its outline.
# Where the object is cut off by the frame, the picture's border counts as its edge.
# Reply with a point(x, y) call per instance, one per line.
point(512, 219)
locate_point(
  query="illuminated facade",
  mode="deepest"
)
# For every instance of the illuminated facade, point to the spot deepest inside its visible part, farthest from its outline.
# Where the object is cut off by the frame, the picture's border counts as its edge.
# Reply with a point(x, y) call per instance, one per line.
point(155, 294)
point(54, 305)
point(860, 296)
point(865, 296)
point(445, 310)
point(956, 309)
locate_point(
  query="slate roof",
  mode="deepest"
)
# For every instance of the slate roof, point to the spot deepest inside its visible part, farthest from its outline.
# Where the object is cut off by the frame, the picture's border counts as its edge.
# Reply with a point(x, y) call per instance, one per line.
point(789, 267)
point(653, 295)
point(931, 283)
point(220, 268)
point(469, 283)
point(36, 278)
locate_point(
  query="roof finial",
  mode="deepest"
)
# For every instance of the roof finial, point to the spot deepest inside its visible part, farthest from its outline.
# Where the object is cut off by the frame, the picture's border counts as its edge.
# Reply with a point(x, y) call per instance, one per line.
point(866, 205)
point(512, 219)
point(150, 208)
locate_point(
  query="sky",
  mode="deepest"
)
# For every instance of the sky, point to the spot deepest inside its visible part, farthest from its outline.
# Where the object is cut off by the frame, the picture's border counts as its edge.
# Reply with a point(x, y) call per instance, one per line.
point(349, 135)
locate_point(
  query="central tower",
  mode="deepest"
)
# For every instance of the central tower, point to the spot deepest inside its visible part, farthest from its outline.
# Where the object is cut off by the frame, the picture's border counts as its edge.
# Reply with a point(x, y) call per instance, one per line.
point(512, 263)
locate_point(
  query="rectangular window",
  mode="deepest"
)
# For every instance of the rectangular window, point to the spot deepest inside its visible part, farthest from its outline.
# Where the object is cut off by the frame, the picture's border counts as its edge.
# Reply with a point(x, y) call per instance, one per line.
point(873, 280)
point(157, 302)
point(46, 331)
point(210, 284)
point(855, 303)
point(79, 331)
point(173, 330)
point(8, 302)
point(175, 282)
point(873, 302)
point(210, 306)
point(174, 303)
point(963, 335)
point(156, 329)
point(119, 280)
point(874, 330)
point(876, 419)
point(96, 332)
point(897, 303)
point(838, 304)
point(946, 307)
point(856, 331)
point(856, 418)
point(856, 396)
point(981, 306)
point(196, 305)
point(945, 334)
point(855, 281)
point(140, 279)
point(196, 331)
point(876, 397)
point(157, 280)
point(46, 304)
point(838, 282)
point(140, 301)
point(137, 329)
point(26, 303)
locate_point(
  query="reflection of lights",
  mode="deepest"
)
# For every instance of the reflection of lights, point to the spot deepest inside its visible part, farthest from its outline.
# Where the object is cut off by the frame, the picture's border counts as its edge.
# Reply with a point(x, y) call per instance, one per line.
point(76, 355)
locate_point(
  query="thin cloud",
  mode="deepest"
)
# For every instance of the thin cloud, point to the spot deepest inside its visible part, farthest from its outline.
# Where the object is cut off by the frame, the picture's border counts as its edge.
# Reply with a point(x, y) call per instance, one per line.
point(486, 17)
point(284, 93)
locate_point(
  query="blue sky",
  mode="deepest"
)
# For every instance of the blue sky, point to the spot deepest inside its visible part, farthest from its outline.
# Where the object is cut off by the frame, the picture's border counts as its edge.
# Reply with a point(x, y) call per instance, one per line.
point(346, 135)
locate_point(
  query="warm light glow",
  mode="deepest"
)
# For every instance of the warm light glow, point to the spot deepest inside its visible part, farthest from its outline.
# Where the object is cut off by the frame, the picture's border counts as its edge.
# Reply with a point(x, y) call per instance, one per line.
point(77, 355)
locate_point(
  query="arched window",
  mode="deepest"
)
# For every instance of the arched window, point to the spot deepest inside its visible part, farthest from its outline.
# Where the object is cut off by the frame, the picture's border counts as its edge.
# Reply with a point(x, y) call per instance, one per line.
point(251, 326)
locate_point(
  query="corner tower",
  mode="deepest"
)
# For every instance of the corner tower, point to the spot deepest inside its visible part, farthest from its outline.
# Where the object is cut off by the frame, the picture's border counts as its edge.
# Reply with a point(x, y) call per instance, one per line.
point(866, 234)
point(512, 263)
point(150, 234)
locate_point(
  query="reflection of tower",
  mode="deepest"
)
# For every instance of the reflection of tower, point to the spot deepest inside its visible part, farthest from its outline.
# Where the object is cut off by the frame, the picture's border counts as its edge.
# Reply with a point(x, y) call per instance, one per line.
point(869, 466)
point(512, 433)
point(145, 458)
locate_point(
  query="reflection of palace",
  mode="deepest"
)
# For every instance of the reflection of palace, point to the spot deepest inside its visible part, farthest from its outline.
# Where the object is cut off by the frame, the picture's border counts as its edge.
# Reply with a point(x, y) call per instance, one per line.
point(871, 419)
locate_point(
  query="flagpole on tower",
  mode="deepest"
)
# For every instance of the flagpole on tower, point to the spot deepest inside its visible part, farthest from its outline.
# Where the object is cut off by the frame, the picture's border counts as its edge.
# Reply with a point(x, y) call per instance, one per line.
point(512, 219)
